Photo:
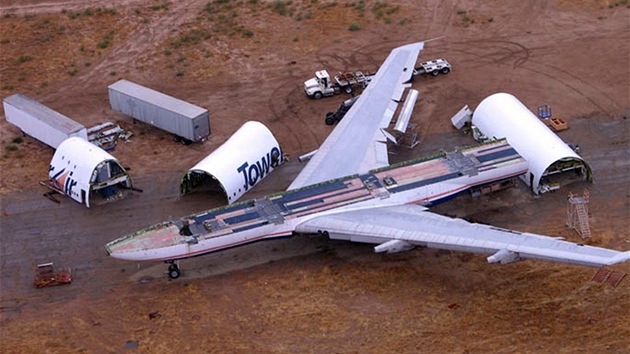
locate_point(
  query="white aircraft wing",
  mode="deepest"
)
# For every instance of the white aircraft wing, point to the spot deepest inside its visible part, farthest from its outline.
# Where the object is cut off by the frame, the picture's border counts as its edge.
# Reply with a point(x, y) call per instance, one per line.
point(357, 144)
point(399, 228)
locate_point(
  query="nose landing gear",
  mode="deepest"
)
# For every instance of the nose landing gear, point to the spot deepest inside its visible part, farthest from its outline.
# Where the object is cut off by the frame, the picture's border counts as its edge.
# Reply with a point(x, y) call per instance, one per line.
point(173, 269)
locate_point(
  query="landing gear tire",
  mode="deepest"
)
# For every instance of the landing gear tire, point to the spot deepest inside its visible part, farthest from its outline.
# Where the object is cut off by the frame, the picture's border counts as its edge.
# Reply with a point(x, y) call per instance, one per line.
point(173, 271)
point(329, 118)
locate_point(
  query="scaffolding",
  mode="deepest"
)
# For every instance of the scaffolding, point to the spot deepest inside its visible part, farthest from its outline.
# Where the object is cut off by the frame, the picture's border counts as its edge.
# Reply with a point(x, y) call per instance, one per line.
point(577, 213)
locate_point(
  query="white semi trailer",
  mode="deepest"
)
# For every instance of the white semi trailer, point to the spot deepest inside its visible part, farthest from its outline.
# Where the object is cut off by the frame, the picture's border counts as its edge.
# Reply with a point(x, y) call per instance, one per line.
point(41, 122)
point(188, 123)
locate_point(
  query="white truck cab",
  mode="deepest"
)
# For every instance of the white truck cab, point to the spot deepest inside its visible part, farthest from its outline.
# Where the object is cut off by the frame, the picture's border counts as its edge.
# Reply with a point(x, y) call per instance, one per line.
point(324, 85)
point(320, 85)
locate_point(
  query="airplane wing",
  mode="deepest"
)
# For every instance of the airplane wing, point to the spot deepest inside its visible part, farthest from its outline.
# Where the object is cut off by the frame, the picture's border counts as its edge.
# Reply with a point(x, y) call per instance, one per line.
point(357, 144)
point(402, 227)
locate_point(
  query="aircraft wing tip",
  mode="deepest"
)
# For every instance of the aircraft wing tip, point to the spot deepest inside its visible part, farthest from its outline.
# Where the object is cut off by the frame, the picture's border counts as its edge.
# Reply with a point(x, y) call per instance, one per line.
point(621, 257)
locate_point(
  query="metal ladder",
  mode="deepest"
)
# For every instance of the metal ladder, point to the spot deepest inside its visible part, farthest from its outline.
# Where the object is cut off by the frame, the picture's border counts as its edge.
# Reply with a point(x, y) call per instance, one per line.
point(582, 214)
point(577, 214)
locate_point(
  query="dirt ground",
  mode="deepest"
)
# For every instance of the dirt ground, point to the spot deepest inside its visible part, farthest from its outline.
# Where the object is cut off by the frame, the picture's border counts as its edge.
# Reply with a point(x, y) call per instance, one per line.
point(247, 60)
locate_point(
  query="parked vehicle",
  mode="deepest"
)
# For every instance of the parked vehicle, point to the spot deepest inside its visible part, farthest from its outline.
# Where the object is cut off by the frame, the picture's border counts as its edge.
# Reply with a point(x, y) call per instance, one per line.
point(433, 67)
point(323, 85)
point(334, 117)
point(187, 122)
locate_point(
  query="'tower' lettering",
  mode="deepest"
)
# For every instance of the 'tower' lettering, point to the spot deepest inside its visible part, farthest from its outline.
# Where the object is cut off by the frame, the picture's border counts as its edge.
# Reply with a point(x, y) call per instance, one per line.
point(253, 173)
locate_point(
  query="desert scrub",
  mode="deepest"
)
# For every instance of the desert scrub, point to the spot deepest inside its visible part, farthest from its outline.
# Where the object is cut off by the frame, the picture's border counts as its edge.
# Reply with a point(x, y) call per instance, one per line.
point(354, 26)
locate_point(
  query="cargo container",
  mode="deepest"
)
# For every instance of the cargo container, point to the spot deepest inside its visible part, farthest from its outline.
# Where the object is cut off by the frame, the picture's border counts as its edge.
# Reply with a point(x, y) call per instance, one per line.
point(187, 122)
point(42, 123)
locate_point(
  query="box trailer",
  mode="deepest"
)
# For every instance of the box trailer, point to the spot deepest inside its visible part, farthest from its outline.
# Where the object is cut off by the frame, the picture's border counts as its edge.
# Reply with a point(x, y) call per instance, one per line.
point(42, 123)
point(188, 123)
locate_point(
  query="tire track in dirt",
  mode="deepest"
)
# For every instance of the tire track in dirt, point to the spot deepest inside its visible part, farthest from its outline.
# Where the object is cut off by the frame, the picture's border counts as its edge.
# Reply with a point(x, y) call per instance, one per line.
point(519, 56)
point(579, 85)
point(354, 60)
point(145, 39)
point(57, 6)
point(288, 114)
point(530, 14)
point(566, 79)
point(493, 51)
point(441, 18)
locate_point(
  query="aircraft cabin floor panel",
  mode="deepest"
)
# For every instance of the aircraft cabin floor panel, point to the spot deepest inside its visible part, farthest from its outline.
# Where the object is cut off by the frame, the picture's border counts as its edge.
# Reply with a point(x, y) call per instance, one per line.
point(276, 209)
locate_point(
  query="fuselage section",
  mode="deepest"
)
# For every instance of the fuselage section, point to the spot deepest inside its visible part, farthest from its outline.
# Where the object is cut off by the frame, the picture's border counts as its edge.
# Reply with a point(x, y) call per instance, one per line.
point(422, 181)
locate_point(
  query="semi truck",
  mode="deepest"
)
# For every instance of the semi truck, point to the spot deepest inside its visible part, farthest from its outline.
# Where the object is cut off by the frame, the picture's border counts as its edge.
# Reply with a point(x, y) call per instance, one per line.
point(188, 123)
point(40, 122)
point(322, 85)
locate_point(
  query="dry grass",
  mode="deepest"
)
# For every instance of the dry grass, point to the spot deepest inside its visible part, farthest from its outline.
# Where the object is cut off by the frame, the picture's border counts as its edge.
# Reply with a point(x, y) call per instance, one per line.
point(46, 49)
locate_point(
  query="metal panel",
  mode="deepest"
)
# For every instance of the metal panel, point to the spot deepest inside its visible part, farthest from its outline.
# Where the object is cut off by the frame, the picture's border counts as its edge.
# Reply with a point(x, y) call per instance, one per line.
point(160, 110)
point(462, 117)
point(41, 122)
point(405, 115)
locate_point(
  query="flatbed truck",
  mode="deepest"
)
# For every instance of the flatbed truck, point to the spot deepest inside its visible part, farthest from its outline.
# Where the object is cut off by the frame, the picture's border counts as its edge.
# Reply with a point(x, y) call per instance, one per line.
point(322, 85)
